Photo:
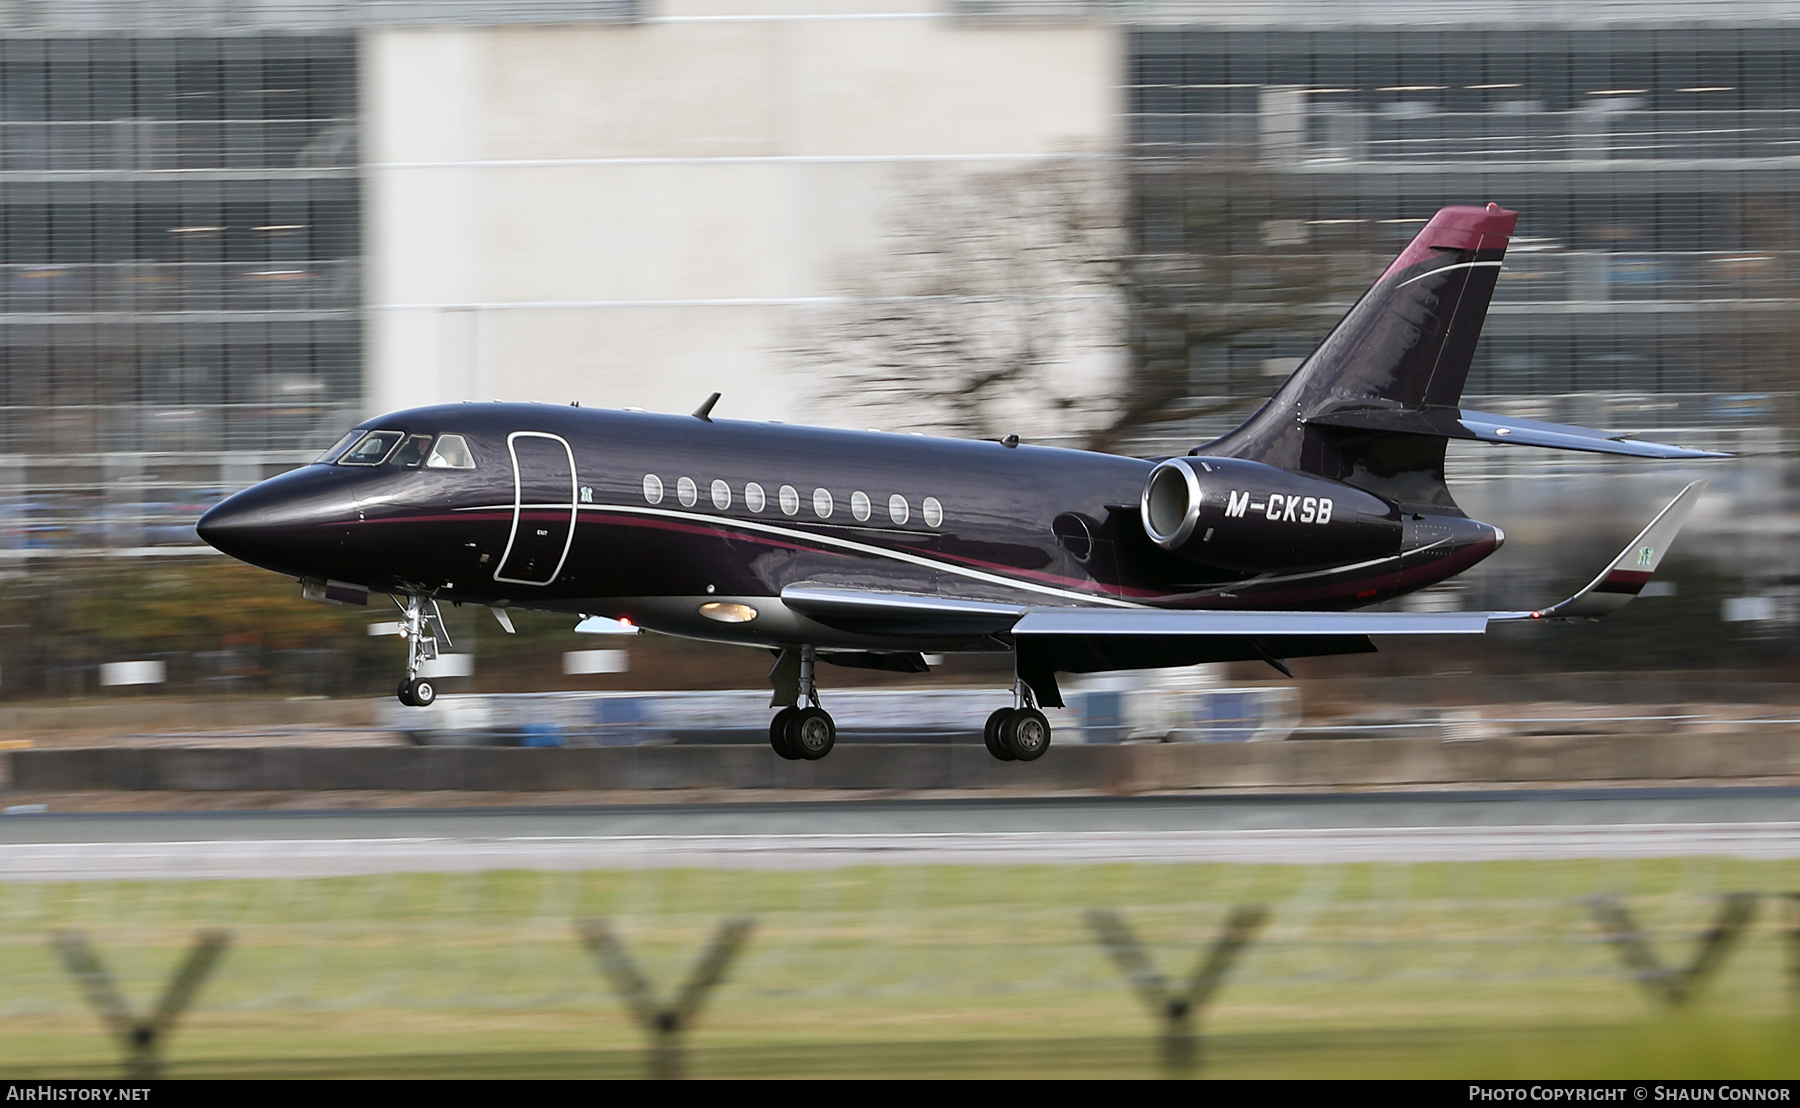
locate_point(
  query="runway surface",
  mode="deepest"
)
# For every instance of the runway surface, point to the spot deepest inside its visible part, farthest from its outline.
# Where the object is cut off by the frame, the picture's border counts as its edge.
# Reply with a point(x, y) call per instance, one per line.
point(1737, 822)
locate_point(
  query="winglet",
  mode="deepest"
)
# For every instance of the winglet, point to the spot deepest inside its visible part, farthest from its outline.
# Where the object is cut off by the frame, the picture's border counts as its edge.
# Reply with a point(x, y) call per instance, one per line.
point(1622, 580)
point(704, 411)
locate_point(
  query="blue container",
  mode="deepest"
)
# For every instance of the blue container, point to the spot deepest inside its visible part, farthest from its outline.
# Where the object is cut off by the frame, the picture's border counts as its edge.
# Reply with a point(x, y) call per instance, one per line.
point(1102, 717)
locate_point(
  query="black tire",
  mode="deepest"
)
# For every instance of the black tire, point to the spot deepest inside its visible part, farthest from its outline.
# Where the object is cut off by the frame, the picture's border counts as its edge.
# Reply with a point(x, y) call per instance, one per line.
point(990, 734)
point(778, 734)
point(422, 691)
point(811, 733)
point(1027, 734)
point(405, 693)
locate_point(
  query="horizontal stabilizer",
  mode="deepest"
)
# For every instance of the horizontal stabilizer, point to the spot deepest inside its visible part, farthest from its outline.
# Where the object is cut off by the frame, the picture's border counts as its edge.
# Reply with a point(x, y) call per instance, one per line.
point(1629, 572)
point(1444, 421)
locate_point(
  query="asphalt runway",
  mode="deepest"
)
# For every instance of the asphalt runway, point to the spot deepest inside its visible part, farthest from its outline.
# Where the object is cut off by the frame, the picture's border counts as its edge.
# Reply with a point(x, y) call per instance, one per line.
point(1403, 827)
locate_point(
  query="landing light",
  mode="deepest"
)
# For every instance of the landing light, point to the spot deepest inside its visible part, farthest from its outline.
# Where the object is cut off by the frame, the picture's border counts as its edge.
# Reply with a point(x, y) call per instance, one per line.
point(725, 612)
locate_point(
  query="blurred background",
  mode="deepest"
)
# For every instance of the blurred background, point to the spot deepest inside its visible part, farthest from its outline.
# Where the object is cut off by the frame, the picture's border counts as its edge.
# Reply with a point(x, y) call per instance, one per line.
point(229, 231)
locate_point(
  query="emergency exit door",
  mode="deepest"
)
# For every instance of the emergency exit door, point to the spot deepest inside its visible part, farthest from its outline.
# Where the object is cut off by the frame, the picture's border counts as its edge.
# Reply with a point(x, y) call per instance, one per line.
point(543, 525)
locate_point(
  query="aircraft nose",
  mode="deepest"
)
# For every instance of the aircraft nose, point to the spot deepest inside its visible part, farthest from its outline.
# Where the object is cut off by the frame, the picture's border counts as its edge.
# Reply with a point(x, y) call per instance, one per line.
point(226, 524)
point(295, 523)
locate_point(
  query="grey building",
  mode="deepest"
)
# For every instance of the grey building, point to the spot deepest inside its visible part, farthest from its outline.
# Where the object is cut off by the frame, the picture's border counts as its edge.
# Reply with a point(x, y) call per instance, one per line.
point(1653, 152)
point(228, 229)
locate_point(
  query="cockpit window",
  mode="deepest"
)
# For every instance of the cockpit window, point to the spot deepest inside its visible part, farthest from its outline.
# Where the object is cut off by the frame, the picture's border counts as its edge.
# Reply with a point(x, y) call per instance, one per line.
point(411, 455)
point(338, 448)
point(451, 452)
point(372, 449)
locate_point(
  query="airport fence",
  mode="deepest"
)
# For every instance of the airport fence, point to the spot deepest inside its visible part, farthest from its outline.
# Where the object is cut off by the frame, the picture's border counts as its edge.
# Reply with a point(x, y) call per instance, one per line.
point(1665, 967)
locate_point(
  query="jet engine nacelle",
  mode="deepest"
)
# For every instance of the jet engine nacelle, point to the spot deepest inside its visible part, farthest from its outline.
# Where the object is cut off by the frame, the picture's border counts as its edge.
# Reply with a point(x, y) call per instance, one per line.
point(1249, 517)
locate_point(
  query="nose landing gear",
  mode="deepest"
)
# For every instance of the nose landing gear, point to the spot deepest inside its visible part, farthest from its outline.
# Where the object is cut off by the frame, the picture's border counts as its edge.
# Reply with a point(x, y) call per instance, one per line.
point(1020, 733)
point(420, 627)
point(799, 733)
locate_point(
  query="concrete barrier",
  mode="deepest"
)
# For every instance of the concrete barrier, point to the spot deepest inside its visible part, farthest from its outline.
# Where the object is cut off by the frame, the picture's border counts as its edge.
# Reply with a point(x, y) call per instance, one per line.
point(1304, 763)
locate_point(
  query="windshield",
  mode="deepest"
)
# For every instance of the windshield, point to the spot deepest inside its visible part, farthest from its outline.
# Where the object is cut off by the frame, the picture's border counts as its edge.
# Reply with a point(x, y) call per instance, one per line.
point(338, 447)
point(374, 447)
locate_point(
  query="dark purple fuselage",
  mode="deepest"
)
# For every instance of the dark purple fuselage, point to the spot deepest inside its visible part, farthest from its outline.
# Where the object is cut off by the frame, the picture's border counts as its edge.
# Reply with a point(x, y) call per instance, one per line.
point(1020, 525)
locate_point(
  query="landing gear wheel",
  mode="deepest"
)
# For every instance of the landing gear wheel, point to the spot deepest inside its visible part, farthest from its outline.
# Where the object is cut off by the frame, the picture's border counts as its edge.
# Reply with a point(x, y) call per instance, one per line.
point(421, 692)
point(990, 734)
point(811, 733)
point(405, 694)
point(778, 734)
point(1026, 735)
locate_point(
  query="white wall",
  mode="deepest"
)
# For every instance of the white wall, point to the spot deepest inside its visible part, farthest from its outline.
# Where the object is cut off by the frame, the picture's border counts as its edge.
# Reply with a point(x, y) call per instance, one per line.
point(625, 215)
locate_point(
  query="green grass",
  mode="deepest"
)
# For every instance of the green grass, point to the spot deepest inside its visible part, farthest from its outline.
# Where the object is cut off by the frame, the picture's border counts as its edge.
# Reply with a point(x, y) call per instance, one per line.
point(1480, 969)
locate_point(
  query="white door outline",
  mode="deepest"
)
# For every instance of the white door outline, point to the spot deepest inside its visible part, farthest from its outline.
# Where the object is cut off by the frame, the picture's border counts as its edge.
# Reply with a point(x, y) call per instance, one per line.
point(519, 506)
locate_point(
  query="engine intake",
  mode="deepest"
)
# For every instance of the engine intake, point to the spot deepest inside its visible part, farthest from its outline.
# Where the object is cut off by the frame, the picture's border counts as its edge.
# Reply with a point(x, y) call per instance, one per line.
point(1171, 503)
point(1246, 516)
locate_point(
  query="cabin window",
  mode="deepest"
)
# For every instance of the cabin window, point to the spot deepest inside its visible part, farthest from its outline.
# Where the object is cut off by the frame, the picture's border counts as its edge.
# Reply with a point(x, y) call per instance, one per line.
point(859, 506)
point(411, 454)
point(451, 452)
point(373, 449)
point(897, 509)
point(652, 489)
point(790, 500)
point(721, 495)
point(687, 492)
point(933, 512)
point(754, 498)
point(821, 504)
point(338, 447)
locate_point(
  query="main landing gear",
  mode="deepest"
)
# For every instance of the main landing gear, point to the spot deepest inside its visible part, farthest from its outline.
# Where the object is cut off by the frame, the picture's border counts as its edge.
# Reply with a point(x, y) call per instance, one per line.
point(420, 626)
point(802, 730)
point(798, 732)
point(1020, 733)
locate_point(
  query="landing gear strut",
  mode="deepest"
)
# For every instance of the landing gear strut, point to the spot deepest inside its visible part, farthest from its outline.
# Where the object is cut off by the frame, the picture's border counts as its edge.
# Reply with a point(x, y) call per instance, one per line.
point(799, 732)
point(1020, 733)
point(420, 627)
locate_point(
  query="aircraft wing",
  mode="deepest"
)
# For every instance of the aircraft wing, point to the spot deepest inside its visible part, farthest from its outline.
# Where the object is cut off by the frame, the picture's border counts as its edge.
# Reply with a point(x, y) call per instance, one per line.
point(1261, 633)
point(1166, 621)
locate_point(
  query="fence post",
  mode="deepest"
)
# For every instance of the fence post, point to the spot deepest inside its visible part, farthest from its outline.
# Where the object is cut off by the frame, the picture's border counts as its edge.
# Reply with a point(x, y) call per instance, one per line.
point(1674, 985)
point(141, 1038)
point(663, 1023)
point(1177, 1011)
point(1793, 939)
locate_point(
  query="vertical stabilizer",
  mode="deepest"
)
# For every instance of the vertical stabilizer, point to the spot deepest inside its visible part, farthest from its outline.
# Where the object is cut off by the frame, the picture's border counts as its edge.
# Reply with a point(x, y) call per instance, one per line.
point(1406, 345)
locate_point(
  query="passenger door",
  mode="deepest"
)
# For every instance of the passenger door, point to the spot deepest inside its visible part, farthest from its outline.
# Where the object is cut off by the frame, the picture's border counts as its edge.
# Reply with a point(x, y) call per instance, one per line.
point(544, 508)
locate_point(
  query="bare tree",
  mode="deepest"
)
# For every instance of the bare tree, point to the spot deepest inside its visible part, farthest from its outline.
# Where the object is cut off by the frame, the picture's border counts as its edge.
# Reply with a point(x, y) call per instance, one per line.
point(1081, 297)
